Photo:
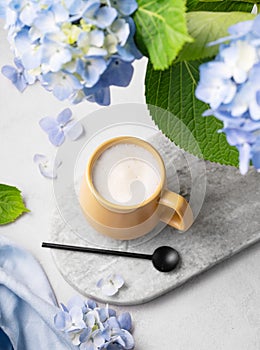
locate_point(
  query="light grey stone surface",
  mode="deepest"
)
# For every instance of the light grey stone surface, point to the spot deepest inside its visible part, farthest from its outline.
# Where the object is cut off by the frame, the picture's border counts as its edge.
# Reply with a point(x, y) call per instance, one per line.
point(228, 222)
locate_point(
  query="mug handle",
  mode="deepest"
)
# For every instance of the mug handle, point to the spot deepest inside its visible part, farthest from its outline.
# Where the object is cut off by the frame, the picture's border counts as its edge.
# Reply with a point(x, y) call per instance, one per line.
point(182, 218)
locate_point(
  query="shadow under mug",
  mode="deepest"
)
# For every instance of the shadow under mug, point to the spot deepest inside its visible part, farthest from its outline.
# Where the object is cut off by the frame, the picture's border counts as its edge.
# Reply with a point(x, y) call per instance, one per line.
point(126, 222)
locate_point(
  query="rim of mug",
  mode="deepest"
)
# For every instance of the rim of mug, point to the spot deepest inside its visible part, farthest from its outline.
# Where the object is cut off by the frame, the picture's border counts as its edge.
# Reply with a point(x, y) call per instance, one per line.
point(118, 140)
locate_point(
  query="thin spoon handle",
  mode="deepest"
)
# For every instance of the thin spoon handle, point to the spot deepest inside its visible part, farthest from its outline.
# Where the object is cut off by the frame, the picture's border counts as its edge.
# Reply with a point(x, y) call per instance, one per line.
point(96, 251)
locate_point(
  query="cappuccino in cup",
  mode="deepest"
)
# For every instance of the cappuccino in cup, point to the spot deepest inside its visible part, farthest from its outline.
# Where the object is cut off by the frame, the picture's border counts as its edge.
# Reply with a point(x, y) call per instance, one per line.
point(126, 174)
point(123, 191)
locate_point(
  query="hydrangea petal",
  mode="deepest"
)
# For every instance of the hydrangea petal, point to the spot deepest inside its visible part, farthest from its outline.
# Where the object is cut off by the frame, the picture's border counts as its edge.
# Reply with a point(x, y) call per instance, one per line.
point(46, 23)
point(127, 338)
point(2, 8)
point(37, 158)
point(21, 83)
point(75, 338)
point(56, 137)
point(126, 7)
point(118, 280)
point(62, 320)
point(85, 335)
point(118, 73)
point(10, 73)
point(237, 136)
point(75, 301)
point(47, 124)
point(28, 14)
point(105, 16)
point(125, 321)
point(91, 304)
point(255, 26)
point(90, 319)
point(73, 130)
point(100, 96)
point(256, 155)
point(96, 37)
point(61, 15)
point(64, 307)
point(96, 51)
point(244, 158)
point(121, 29)
point(64, 116)
point(32, 59)
point(113, 323)
point(76, 315)
point(58, 59)
point(98, 340)
point(114, 346)
point(22, 41)
point(241, 28)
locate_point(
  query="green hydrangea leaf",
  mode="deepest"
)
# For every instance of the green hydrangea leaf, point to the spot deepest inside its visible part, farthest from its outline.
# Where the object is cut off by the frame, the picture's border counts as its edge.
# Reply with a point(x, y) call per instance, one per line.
point(11, 204)
point(226, 1)
point(161, 30)
point(220, 6)
point(248, 1)
point(180, 115)
point(206, 27)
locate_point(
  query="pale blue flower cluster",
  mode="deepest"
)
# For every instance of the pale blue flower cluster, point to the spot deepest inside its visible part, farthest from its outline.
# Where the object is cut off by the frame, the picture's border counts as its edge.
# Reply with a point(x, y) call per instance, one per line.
point(76, 48)
point(230, 84)
point(93, 328)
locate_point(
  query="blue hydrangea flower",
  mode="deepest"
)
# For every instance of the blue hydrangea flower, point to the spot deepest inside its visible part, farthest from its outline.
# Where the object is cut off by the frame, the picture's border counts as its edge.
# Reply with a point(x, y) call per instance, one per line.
point(62, 84)
point(119, 335)
point(71, 320)
point(230, 84)
point(111, 284)
point(16, 75)
point(93, 328)
point(91, 69)
point(47, 166)
point(57, 129)
point(55, 55)
point(69, 46)
point(118, 73)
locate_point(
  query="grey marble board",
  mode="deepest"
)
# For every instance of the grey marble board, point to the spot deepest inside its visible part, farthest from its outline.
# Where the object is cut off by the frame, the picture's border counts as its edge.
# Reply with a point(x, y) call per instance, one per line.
point(227, 212)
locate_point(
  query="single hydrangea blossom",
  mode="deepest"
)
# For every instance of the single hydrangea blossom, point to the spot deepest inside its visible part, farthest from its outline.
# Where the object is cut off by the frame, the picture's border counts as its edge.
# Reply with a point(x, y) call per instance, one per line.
point(111, 284)
point(95, 328)
point(47, 166)
point(76, 49)
point(57, 129)
point(230, 84)
point(16, 75)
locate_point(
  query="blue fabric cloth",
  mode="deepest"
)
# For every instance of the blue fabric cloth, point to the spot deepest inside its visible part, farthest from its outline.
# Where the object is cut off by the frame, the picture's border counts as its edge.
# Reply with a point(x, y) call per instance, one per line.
point(27, 303)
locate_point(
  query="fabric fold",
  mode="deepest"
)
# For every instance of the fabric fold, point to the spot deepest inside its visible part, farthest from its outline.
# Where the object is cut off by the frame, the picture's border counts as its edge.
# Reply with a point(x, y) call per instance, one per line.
point(27, 303)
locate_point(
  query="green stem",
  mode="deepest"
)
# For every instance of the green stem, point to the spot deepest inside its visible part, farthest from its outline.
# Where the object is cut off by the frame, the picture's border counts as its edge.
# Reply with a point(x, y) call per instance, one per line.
point(258, 8)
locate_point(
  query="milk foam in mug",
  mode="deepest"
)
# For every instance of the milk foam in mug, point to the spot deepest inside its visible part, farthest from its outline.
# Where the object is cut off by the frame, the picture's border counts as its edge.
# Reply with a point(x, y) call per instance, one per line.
point(123, 192)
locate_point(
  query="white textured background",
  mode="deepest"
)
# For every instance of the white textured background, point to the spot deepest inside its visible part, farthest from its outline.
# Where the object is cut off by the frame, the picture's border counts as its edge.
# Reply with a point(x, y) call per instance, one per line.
point(220, 310)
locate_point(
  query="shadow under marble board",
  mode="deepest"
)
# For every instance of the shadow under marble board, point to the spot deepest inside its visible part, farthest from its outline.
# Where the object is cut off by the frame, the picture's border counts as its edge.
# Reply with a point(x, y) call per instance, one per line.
point(227, 212)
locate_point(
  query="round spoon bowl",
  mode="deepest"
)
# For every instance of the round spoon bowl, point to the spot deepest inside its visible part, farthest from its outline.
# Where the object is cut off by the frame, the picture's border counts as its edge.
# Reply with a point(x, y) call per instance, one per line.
point(165, 259)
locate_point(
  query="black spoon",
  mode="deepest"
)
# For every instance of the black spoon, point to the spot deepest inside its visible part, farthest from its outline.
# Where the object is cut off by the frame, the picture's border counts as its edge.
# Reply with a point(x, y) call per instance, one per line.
point(164, 258)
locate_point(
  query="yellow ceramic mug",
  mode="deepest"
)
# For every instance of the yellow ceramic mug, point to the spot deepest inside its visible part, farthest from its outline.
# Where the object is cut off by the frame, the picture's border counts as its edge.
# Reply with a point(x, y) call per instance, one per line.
point(119, 218)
